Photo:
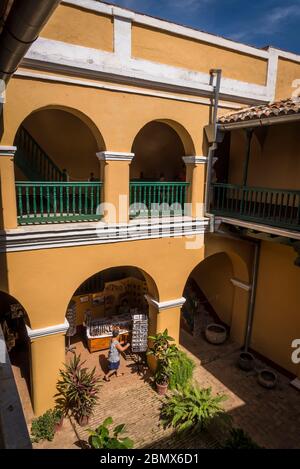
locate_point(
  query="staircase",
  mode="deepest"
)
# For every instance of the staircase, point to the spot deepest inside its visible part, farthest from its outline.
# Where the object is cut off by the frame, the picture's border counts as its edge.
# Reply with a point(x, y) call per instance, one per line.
point(33, 161)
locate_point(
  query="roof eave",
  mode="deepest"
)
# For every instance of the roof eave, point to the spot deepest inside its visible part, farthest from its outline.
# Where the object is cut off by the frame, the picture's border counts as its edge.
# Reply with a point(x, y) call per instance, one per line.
point(264, 121)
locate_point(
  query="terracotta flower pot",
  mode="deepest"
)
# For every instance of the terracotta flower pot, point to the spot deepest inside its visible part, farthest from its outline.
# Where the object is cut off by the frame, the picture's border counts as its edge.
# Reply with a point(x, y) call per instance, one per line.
point(246, 361)
point(215, 333)
point(267, 378)
point(161, 389)
point(83, 421)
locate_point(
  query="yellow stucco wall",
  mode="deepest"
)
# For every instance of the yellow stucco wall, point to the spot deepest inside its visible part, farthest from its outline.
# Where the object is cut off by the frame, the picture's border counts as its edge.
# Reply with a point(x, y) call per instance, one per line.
point(55, 274)
point(213, 277)
point(118, 117)
point(287, 72)
point(164, 47)
point(80, 27)
point(277, 319)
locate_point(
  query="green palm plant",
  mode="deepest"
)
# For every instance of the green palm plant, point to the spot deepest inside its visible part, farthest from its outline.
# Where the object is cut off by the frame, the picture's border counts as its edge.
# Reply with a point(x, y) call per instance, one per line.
point(77, 390)
point(192, 408)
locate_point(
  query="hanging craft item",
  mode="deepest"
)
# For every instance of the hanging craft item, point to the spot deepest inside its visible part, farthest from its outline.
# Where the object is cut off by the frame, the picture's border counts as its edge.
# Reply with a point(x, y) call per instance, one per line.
point(139, 341)
point(71, 318)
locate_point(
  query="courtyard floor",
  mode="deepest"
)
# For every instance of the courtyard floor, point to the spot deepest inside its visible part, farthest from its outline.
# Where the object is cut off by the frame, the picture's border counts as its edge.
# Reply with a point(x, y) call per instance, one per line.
point(271, 417)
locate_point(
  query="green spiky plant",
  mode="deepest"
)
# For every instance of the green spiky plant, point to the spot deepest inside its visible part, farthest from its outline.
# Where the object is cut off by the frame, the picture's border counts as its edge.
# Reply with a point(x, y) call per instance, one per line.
point(181, 370)
point(101, 437)
point(192, 408)
point(77, 390)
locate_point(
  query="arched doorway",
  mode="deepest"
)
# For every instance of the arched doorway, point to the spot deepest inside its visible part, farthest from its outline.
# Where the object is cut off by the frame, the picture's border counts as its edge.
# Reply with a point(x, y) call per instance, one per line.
point(112, 298)
point(157, 172)
point(209, 294)
point(13, 321)
point(56, 166)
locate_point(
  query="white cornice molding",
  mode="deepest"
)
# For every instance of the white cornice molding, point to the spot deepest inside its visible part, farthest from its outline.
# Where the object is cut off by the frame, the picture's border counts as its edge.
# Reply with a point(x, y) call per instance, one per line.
point(121, 89)
point(62, 235)
point(58, 56)
point(195, 159)
point(163, 305)
point(296, 383)
point(240, 284)
point(7, 150)
point(46, 331)
point(114, 156)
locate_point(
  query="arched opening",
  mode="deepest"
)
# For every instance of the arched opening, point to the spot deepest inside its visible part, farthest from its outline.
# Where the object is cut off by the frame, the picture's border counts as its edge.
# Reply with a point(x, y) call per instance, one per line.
point(111, 299)
point(157, 172)
point(13, 321)
point(56, 166)
point(209, 295)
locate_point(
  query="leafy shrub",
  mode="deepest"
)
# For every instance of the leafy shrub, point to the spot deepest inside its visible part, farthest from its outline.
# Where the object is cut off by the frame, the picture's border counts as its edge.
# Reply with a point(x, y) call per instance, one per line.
point(181, 370)
point(163, 352)
point(77, 390)
point(192, 408)
point(43, 427)
point(238, 439)
point(101, 438)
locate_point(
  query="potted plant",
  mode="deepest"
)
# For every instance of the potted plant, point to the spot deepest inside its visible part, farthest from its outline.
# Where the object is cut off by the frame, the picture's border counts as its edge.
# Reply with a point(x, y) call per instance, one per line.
point(77, 391)
point(215, 333)
point(163, 352)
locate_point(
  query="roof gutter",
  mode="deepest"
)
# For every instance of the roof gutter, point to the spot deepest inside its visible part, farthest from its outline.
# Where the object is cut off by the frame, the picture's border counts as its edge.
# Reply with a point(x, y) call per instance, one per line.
point(283, 119)
point(22, 26)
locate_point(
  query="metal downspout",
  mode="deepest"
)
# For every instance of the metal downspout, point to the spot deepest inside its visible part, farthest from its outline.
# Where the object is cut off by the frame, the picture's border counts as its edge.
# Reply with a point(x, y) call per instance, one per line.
point(251, 305)
point(212, 147)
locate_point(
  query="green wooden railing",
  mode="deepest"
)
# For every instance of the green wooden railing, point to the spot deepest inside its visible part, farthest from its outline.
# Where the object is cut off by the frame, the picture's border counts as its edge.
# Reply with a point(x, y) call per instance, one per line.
point(276, 207)
point(33, 160)
point(52, 202)
point(157, 198)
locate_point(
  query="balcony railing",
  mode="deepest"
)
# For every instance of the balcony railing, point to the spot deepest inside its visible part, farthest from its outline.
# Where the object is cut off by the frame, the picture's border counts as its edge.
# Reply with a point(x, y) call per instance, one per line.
point(157, 198)
point(54, 202)
point(276, 207)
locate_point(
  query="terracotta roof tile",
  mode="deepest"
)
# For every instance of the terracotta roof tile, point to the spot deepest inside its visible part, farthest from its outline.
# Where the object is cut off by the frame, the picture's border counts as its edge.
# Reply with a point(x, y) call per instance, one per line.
point(277, 108)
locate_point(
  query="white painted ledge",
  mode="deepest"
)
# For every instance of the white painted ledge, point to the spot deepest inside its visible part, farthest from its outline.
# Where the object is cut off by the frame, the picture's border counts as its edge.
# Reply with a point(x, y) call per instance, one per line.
point(114, 156)
point(163, 305)
point(195, 159)
point(240, 284)
point(45, 331)
point(7, 150)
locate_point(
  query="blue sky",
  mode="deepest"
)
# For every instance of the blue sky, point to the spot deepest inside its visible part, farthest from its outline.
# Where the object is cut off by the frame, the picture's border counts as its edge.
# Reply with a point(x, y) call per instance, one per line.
point(255, 22)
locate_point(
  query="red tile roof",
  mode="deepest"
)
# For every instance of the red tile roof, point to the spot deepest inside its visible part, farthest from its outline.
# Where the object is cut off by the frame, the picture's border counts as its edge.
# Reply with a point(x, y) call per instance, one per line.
point(277, 108)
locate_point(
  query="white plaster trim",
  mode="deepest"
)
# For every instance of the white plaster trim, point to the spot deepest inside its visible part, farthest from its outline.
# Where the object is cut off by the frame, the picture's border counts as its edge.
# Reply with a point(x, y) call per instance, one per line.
point(45, 331)
point(240, 284)
point(168, 26)
point(7, 150)
point(121, 89)
point(161, 306)
point(114, 156)
point(296, 383)
point(122, 39)
point(48, 54)
point(36, 237)
point(195, 159)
